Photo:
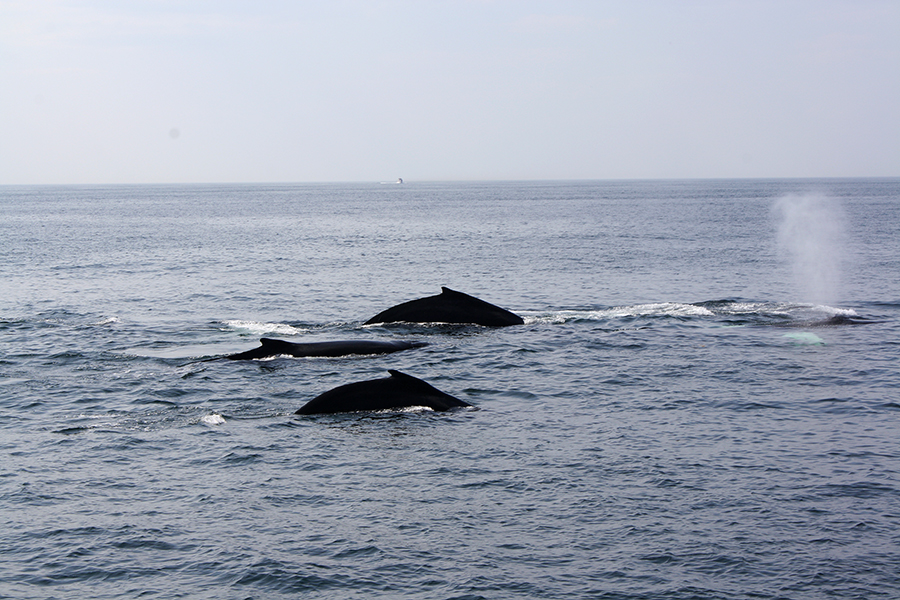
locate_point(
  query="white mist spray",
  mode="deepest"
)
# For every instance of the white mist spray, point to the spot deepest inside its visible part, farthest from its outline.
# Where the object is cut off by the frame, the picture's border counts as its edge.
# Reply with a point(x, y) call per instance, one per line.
point(811, 233)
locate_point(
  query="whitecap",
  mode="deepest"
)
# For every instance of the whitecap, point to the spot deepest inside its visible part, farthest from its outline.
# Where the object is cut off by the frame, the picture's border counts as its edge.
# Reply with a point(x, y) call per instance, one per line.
point(403, 409)
point(662, 309)
point(259, 328)
point(833, 311)
point(213, 419)
point(107, 321)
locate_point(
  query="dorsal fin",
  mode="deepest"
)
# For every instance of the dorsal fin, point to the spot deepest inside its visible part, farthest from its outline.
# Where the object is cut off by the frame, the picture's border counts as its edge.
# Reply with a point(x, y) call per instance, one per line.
point(400, 375)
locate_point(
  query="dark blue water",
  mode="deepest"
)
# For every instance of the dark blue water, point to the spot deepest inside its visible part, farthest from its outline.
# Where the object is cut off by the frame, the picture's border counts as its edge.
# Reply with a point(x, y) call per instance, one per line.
point(668, 423)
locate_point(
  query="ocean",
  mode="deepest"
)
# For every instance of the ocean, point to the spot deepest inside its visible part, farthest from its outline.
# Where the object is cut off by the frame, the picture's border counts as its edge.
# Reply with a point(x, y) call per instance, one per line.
point(678, 418)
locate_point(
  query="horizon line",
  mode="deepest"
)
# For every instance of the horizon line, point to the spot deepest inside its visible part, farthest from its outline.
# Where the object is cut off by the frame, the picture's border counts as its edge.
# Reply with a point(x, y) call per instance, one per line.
point(408, 181)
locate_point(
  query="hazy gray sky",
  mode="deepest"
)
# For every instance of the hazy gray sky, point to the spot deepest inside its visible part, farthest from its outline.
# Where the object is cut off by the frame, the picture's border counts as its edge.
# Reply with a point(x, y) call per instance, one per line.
point(113, 91)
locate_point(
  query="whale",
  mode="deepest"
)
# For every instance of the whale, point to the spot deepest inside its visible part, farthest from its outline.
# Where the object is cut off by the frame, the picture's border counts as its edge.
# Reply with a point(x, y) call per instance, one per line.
point(397, 391)
point(835, 321)
point(271, 347)
point(449, 306)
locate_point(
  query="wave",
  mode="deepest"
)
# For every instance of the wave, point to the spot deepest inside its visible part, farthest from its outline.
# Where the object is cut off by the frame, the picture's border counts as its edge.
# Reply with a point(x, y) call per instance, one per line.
point(106, 321)
point(260, 328)
point(783, 309)
point(212, 419)
point(660, 309)
point(729, 310)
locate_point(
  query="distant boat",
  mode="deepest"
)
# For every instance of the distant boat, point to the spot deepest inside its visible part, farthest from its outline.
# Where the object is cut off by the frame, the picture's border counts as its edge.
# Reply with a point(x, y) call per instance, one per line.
point(399, 180)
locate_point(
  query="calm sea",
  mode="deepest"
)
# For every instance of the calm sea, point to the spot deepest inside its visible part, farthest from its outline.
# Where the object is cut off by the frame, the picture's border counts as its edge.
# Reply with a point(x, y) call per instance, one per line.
point(669, 423)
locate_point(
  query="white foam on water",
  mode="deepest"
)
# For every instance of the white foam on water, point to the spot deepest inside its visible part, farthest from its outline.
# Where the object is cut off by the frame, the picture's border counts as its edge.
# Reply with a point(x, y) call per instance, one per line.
point(832, 310)
point(409, 409)
point(661, 309)
point(259, 328)
point(810, 312)
point(213, 419)
point(107, 321)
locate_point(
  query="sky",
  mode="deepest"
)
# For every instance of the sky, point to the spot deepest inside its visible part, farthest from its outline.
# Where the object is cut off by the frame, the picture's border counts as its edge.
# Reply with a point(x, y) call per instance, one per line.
point(182, 91)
